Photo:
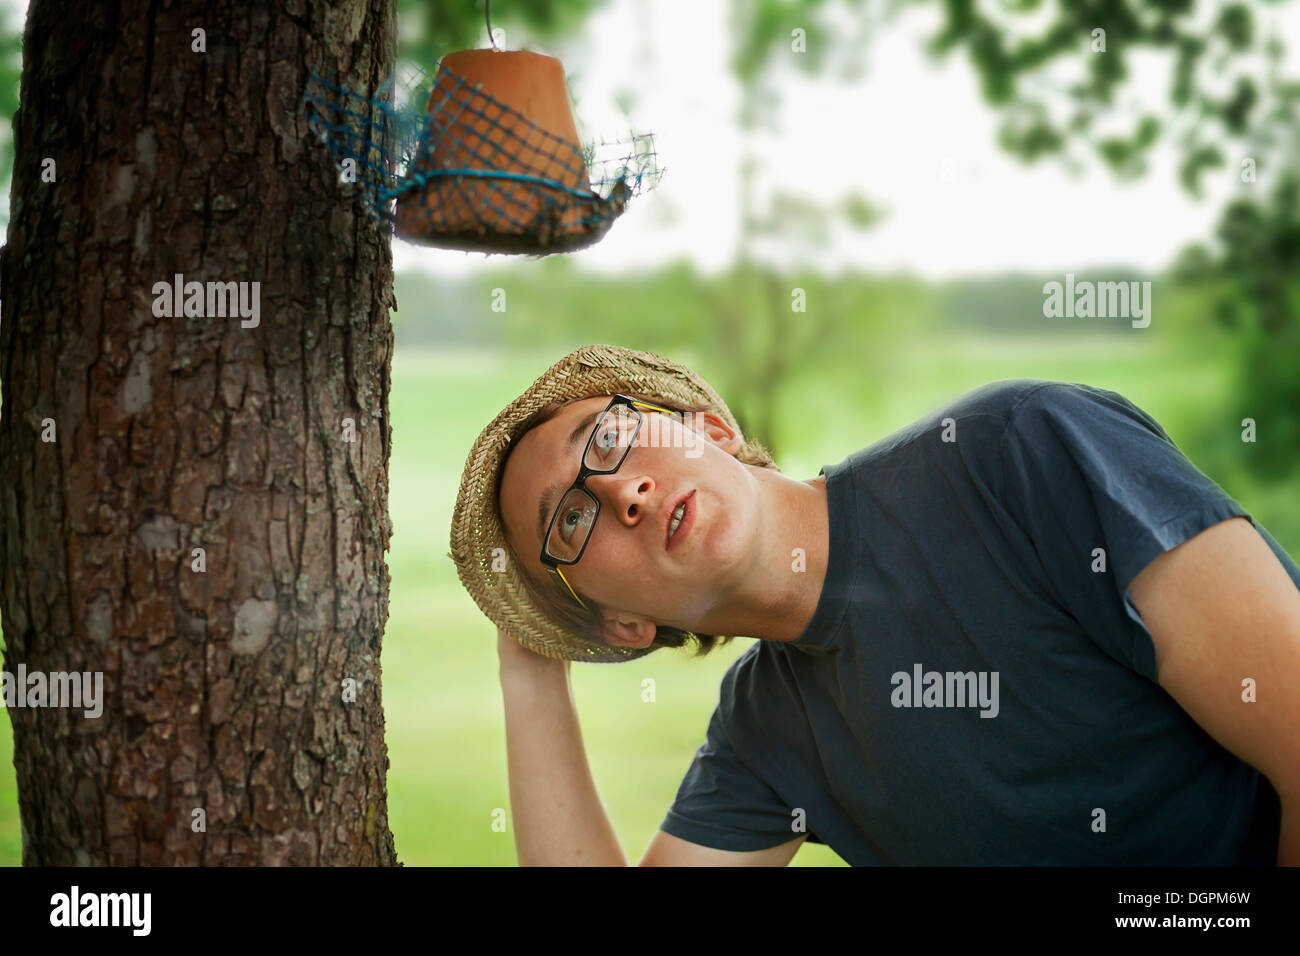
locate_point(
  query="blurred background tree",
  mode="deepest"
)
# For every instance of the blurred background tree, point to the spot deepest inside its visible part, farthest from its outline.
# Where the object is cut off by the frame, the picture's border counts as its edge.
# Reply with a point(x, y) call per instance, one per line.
point(1058, 77)
point(11, 68)
point(431, 28)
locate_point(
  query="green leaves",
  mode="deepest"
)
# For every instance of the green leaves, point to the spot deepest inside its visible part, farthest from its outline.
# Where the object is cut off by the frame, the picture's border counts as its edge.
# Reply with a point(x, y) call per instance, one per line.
point(1195, 163)
point(1126, 157)
point(1018, 55)
point(1236, 26)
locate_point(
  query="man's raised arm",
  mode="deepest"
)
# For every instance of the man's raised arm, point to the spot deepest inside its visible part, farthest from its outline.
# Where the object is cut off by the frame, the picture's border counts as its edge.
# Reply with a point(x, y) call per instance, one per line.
point(558, 817)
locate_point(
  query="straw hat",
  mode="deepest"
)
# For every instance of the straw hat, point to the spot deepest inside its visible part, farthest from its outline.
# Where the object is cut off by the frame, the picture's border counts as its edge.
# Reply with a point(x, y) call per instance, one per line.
point(476, 530)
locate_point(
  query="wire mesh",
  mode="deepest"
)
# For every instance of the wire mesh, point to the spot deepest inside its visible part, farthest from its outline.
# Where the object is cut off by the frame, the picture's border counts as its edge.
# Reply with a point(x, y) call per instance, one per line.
point(448, 165)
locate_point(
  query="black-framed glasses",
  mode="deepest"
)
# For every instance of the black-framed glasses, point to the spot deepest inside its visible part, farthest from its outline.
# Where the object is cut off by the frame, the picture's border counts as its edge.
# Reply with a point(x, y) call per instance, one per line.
point(612, 438)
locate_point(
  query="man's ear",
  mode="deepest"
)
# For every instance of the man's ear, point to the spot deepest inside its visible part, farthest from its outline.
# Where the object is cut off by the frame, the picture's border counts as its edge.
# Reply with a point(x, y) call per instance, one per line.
point(716, 430)
point(628, 630)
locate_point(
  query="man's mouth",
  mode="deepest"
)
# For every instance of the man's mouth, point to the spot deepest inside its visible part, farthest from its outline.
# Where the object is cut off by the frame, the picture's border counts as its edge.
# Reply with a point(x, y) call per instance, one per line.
point(679, 520)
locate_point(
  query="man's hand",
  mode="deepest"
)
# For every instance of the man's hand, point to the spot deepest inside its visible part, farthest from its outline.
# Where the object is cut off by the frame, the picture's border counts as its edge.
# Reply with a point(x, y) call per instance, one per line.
point(1222, 609)
point(518, 660)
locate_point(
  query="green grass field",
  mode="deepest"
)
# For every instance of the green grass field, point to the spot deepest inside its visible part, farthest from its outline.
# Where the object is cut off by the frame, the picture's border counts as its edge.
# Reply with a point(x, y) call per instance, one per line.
point(445, 726)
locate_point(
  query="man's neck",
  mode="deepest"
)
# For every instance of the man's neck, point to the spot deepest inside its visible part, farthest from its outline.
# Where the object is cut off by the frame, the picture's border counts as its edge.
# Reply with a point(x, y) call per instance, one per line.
point(778, 595)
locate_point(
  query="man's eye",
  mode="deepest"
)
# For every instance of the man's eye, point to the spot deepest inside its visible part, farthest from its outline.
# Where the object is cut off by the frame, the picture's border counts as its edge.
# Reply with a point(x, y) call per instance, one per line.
point(607, 438)
point(569, 521)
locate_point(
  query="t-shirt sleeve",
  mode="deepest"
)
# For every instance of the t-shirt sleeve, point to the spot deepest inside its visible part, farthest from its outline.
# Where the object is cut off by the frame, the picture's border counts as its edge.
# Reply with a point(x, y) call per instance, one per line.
point(1086, 469)
point(722, 804)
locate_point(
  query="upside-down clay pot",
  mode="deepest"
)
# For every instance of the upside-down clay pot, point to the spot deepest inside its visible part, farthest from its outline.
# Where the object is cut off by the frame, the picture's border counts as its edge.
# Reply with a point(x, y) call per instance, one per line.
point(495, 111)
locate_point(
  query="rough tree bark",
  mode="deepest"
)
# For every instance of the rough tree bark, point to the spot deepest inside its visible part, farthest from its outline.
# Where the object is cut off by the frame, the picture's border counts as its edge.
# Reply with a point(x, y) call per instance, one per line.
point(223, 687)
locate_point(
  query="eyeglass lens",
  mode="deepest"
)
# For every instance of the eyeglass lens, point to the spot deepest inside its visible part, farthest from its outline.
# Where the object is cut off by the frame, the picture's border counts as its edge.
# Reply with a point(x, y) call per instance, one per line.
point(576, 515)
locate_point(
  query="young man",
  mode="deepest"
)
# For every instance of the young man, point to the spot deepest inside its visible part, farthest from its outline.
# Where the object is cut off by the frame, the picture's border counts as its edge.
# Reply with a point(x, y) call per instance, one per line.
point(1022, 630)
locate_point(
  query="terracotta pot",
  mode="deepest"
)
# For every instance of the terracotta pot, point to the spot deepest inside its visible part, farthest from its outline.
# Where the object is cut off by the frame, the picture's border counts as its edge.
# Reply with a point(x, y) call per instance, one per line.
point(496, 112)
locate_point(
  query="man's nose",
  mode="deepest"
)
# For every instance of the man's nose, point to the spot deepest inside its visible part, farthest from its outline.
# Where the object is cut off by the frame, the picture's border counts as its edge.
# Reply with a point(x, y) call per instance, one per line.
point(628, 496)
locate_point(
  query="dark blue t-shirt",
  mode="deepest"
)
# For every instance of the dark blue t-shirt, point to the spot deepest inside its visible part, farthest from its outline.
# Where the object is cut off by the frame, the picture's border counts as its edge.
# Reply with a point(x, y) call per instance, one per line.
point(975, 685)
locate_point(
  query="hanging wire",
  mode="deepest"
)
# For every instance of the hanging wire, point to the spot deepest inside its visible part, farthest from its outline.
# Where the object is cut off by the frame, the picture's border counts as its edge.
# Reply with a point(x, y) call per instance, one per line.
point(487, 15)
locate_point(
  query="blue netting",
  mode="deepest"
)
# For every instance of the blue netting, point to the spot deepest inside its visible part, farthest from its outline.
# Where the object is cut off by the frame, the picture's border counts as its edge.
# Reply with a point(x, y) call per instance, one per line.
point(448, 165)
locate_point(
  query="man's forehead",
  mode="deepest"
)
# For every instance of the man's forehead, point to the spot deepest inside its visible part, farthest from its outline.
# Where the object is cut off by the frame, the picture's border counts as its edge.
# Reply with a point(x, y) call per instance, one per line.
point(583, 406)
point(558, 429)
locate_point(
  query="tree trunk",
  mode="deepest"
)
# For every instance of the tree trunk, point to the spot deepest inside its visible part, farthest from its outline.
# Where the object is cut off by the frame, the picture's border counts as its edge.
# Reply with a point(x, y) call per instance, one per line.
point(225, 670)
